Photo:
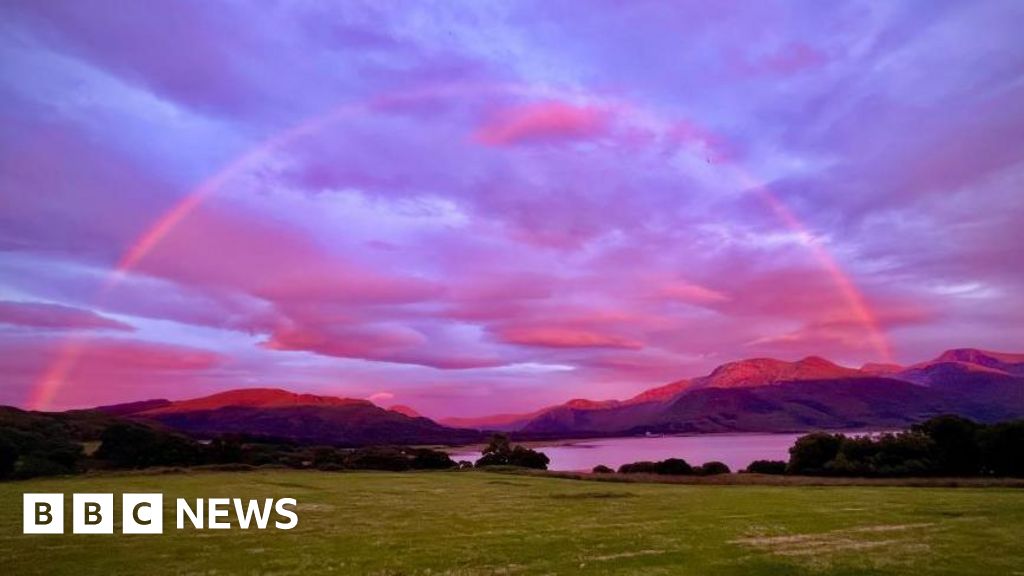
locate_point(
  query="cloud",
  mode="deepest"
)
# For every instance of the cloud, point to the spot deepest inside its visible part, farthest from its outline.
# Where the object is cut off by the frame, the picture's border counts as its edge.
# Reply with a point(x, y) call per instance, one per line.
point(692, 293)
point(56, 316)
point(429, 200)
point(543, 122)
point(558, 337)
point(379, 397)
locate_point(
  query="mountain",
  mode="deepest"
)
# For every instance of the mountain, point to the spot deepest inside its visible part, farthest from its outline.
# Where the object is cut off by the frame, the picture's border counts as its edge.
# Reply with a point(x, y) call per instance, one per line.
point(253, 398)
point(497, 422)
point(405, 410)
point(282, 414)
point(766, 371)
point(768, 395)
point(132, 407)
point(754, 395)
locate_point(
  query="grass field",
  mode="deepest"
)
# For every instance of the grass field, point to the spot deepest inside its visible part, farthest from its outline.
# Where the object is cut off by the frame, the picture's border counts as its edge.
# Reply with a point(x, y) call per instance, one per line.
point(486, 523)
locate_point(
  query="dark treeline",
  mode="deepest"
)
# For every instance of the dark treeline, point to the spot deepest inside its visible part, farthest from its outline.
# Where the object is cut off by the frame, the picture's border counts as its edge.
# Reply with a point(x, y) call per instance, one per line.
point(668, 467)
point(33, 445)
point(942, 446)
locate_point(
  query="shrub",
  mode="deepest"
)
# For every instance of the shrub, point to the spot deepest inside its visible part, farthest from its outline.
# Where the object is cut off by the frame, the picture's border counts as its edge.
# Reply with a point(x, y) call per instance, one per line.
point(426, 459)
point(767, 467)
point(669, 467)
point(602, 469)
point(713, 469)
point(642, 467)
point(674, 467)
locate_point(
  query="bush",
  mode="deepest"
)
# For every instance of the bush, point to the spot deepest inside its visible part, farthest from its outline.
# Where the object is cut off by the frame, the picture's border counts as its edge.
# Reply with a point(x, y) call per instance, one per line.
point(767, 467)
point(674, 467)
point(713, 469)
point(669, 467)
point(426, 459)
point(642, 467)
point(602, 469)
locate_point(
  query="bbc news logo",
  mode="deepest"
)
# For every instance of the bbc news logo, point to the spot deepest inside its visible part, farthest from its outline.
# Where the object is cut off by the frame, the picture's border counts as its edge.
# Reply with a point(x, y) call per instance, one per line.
point(144, 513)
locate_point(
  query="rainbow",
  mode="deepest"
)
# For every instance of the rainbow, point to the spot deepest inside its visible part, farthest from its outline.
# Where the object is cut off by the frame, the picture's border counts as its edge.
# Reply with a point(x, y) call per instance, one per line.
point(54, 377)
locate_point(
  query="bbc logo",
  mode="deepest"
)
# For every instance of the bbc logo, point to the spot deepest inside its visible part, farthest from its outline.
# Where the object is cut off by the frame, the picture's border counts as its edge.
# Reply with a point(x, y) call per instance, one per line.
point(93, 514)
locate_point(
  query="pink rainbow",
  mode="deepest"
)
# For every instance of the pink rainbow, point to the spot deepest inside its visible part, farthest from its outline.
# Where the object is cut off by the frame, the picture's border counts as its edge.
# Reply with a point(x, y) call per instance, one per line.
point(54, 377)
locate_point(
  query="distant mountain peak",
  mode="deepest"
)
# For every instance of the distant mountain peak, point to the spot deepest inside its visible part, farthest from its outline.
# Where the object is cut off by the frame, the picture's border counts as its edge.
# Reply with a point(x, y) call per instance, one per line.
point(764, 371)
point(981, 357)
point(255, 398)
point(405, 410)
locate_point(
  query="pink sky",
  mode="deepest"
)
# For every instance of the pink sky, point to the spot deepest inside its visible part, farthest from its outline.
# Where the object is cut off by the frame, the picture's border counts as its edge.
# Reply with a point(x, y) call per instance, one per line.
point(488, 207)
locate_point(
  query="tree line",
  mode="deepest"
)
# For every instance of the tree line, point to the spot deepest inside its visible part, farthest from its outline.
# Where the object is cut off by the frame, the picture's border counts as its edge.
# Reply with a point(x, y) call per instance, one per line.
point(942, 446)
point(43, 445)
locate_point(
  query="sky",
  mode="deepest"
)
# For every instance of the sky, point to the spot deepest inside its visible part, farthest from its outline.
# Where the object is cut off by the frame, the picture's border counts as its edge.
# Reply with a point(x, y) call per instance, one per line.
point(481, 207)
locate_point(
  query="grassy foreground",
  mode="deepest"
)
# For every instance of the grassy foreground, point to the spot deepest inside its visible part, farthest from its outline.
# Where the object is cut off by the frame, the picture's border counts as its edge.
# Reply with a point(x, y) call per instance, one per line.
point(485, 523)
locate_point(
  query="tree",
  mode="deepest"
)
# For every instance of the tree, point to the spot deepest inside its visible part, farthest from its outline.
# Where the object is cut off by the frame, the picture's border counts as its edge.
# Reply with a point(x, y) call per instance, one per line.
point(129, 445)
point(527, 458)
point(602, 469)
point(1002, 449)
point(813, 452)
point(8, 457)
point(499, 452)
point(956, 451)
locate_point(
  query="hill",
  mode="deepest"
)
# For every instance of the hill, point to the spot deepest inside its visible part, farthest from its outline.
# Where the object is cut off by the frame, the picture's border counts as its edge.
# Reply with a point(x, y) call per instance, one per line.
point(276, 413)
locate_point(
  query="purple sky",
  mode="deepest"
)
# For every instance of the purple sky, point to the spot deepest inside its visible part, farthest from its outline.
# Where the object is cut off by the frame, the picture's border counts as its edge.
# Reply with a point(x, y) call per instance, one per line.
point(489, 207)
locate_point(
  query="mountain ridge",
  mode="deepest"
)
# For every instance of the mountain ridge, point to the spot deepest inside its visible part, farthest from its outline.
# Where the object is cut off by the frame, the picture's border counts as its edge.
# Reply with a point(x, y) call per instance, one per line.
point(752, 395)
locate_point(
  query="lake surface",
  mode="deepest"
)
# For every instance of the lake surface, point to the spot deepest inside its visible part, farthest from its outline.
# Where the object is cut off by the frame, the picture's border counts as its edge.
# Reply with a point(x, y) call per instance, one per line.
point(736, 450)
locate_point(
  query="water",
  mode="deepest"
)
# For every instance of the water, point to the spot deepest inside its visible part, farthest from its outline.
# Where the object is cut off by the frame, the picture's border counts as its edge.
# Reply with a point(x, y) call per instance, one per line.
point(736, 450)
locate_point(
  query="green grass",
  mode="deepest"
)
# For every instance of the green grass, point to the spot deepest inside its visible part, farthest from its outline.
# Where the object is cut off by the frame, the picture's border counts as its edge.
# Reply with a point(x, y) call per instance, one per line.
point(486, 523)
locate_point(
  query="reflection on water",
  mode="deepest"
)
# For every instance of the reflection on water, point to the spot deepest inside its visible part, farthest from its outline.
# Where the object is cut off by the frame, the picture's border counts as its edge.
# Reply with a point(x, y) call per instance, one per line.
point(736, 450)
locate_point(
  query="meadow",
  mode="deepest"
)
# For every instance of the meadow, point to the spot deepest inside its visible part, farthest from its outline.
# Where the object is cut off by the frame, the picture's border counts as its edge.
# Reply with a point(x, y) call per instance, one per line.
point(474, 522)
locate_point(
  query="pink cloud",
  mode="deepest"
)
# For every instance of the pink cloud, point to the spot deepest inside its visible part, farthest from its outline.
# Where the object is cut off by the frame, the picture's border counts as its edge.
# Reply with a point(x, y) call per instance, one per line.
point(383, 343)
point(55, 316)
point(692, 293)
point(543, 122)
point(559, 337)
